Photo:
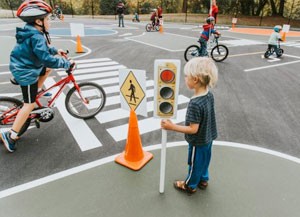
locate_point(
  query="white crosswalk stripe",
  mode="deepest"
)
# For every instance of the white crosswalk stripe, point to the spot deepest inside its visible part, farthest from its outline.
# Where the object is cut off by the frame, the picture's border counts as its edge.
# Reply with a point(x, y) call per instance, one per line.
point(104, 72)
point(96, 70)
point(291, 44)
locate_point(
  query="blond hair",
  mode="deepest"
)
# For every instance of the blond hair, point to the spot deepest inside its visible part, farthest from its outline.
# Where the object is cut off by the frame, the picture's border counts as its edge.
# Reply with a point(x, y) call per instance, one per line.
point(204, 69)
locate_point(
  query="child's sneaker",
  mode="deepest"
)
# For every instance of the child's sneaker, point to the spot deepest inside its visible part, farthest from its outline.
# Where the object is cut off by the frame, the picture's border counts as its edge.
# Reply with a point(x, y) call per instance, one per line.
point(45, 95)
point(203, 185)
point(9, 143)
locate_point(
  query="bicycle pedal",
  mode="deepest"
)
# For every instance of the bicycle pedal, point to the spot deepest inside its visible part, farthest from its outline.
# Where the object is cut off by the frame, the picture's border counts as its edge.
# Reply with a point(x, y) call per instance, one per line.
point(37, 123)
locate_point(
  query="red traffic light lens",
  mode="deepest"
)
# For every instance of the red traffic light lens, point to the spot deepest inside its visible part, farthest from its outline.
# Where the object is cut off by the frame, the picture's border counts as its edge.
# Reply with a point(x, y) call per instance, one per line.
point(167, 76)
point(166, 107)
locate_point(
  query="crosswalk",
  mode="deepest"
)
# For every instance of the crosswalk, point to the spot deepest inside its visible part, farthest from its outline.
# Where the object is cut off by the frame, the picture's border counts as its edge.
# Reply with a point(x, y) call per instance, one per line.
point(291, 44)
point(104, 71)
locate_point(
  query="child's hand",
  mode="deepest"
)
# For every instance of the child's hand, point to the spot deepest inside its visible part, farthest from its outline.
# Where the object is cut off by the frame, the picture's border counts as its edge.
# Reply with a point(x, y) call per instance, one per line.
point(166, 124)
point(61, 52)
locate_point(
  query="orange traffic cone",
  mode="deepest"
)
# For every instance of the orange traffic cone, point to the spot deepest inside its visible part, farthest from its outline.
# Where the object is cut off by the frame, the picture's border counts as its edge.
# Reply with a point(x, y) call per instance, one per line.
point(79, 48)
point(133, 157)
point(283, 38)
point(161, 29)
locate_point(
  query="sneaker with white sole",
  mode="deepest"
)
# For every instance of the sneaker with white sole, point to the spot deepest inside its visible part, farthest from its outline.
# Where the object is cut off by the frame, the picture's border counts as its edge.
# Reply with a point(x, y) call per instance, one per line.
point(9, 143)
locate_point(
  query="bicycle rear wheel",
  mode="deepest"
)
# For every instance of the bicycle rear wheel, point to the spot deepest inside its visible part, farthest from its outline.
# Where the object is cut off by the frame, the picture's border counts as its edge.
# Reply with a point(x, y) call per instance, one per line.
point(191, 52)
point(149, 27)
point(92, 93)
point(8, 106)
point(219, 53)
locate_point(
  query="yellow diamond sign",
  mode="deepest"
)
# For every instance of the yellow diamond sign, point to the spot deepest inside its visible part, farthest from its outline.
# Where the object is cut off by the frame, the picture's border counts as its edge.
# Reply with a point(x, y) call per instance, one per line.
point(132, 91)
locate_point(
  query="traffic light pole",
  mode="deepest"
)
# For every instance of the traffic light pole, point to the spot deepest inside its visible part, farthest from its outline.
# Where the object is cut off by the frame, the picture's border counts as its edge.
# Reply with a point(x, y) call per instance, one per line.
point(163, 161)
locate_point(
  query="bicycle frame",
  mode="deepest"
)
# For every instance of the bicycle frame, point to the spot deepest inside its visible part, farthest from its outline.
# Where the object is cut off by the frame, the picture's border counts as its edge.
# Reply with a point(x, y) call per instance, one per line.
point(61, 84)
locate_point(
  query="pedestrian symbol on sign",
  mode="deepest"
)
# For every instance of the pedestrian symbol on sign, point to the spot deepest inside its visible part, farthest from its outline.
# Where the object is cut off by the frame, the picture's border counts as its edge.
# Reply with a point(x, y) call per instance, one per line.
point(132, 93)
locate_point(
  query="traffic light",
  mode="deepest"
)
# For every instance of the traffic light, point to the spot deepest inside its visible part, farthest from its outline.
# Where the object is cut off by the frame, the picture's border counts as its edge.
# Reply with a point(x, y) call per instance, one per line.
point(166, 87)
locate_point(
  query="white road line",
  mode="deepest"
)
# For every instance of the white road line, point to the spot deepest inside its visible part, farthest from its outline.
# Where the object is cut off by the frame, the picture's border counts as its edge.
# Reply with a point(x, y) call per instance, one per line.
point(10, 94)
point(116, 88)
point(97, 163)
point(147, 125)
point(89, 65)
point(5, 73)
point(98, 75)
point(90, 70)
point(275, 65)
point(116, 114)
point(93, 60)
point(81, 132)
point(107, 81)
point(114, 100)
point(6, 82)
point(297, 57)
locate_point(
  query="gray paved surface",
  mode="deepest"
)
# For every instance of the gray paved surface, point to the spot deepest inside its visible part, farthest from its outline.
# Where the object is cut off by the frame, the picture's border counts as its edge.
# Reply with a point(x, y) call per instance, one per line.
point(243, 183)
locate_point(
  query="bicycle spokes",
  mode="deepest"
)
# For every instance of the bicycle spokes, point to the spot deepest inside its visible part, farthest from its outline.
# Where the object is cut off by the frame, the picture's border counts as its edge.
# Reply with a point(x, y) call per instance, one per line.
point(86, 102)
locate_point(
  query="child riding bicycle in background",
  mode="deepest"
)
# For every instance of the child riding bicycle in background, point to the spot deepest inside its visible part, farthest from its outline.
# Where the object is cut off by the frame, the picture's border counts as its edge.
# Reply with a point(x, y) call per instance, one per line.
point(153, 17)
point(31, 60)
point(208, 29)
point(58, 11)
point(274, 38)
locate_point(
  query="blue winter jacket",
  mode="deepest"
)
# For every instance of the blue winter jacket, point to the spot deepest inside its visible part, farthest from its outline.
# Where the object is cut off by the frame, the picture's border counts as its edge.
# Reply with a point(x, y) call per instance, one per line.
point(31, 54)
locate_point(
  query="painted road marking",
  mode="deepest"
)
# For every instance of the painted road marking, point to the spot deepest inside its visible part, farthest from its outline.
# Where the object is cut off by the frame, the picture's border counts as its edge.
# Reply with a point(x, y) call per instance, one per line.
point(81, 132)
point(116, 114)
point(89, 65)
point(93, 60)
point(275, 65)
point(145, 126)
point(89, 70)
point(110, 159)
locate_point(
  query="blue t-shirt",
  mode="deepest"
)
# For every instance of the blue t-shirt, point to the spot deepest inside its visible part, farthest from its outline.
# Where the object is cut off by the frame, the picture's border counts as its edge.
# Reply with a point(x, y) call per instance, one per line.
point(201, 111)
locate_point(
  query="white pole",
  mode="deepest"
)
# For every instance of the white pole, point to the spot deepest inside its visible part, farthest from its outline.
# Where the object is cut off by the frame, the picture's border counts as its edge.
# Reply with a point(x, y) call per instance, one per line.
point(210, 11)
point(163, 160)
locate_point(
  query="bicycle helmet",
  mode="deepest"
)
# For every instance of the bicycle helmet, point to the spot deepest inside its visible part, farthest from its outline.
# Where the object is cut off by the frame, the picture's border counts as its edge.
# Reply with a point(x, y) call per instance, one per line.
point(31, 10)
point(210, 20)
point(277, 28)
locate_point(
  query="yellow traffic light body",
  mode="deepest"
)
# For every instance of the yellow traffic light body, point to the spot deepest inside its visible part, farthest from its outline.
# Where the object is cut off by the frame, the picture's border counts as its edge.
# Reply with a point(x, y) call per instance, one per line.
point(166, 88)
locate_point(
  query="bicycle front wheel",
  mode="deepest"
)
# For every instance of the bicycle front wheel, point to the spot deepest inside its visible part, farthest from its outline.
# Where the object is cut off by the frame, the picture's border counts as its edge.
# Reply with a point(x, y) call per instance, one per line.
point(219, 53)
point(87, 102)
point(191, 52)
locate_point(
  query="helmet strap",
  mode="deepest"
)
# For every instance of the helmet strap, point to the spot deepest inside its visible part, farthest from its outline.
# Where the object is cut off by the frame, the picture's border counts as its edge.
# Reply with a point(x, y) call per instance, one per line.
point(46, 33)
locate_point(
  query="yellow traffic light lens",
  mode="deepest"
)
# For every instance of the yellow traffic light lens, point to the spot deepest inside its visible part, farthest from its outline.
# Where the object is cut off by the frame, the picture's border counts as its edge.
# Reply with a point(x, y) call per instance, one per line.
point(166, 92)
point(167, 76)
point(166, 107)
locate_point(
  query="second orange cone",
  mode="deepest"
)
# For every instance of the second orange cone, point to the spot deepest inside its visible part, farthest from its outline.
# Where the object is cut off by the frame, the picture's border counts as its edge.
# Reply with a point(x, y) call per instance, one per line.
point(133, 157)
point(79, 48)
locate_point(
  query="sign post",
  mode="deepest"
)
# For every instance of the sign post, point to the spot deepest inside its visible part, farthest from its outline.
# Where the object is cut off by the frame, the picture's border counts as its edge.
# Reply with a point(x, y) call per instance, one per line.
point(166, 88)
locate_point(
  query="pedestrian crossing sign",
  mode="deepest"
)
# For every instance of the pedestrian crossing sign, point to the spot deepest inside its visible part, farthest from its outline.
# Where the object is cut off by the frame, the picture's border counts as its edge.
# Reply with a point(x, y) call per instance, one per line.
point(133, 89)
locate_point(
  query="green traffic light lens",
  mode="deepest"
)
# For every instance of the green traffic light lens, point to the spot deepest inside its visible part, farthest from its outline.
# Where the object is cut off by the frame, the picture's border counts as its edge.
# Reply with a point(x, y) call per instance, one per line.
point(166, 107)
point(166, 92)
point(167, 76)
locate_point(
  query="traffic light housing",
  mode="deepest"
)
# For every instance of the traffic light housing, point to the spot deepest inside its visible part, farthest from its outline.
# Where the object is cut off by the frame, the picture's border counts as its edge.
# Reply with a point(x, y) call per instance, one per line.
point(166, 88)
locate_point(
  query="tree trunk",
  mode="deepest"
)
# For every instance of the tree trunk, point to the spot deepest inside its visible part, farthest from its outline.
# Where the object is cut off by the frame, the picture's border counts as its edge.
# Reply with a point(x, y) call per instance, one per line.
point(184, 6)
point(281, 7)
point(260, 7)
point(273, 6)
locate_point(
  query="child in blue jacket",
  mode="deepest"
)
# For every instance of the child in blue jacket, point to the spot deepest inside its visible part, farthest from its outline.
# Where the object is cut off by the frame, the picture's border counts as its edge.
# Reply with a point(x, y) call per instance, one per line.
point(208, 29)
point(31, 60)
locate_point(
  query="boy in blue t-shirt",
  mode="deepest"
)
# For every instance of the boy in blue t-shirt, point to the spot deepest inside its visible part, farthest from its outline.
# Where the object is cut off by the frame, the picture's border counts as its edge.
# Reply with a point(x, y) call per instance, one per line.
point(274, 38)
point(200, 124)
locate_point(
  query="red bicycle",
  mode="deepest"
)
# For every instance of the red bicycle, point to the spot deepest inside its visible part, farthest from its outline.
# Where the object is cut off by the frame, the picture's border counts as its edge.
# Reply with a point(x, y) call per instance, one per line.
point(84, 100)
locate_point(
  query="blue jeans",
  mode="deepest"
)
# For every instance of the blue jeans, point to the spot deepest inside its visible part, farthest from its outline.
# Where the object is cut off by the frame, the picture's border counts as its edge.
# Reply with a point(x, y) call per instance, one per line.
point(203, 48)
point(121, 20)
point(198, 161)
